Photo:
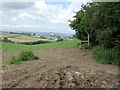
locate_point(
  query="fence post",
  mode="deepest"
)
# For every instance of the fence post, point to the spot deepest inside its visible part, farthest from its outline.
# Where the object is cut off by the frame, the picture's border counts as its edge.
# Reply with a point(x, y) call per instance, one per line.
point(80, 43)
point(88, 40)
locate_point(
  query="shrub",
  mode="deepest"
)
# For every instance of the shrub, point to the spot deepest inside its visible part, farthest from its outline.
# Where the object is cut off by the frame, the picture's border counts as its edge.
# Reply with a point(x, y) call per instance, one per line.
point(35, 42)
point(59, 39)
point(107, 56)
point(86, 46)
point(24, 56)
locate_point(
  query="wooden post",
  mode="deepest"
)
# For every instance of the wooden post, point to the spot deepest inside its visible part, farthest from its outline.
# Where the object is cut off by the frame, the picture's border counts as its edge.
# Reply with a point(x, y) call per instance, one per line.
point(80, 43)
point(88, 40)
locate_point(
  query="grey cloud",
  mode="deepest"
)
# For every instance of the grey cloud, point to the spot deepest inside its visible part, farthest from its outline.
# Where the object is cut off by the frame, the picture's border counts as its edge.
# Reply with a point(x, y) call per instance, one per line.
point(17, 5)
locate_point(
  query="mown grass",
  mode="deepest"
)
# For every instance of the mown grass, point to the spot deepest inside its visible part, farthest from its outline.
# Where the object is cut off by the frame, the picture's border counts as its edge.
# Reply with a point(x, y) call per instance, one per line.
point(14, 47)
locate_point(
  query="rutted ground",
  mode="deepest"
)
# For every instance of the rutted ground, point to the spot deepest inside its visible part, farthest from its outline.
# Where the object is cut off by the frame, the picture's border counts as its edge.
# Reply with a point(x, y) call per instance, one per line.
point(61, 68)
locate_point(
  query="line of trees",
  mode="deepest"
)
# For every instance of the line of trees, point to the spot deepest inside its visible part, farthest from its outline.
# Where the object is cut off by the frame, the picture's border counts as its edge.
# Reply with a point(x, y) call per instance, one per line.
point(101, 20)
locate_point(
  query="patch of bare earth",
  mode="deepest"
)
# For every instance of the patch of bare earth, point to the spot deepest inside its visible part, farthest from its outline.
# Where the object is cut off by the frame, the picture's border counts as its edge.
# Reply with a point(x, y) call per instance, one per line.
point(61, 68)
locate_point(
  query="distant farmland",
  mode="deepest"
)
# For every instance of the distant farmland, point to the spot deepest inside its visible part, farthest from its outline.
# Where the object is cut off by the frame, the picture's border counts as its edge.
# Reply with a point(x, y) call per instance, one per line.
point(25, 38)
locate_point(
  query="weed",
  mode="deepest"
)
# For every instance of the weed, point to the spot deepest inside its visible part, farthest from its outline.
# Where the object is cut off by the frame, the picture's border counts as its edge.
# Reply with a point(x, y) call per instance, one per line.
point(107, 56)
point(86, 46)
point(24, 56)
point(27, 55)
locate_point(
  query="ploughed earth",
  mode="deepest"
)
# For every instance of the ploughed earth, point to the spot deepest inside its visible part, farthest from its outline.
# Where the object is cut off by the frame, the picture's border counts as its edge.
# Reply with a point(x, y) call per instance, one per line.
point(60, 68)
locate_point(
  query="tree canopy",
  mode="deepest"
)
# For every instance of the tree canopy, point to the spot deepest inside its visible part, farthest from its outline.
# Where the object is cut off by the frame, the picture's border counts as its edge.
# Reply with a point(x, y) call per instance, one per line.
point(101, 21)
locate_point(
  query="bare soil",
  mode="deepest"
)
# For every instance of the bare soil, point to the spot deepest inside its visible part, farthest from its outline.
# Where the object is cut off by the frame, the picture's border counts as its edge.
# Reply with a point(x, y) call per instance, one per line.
point(61, 68)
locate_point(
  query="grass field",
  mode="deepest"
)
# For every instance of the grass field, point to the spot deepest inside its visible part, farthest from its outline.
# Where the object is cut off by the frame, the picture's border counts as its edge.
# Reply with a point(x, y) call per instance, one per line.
point(23, 38)
point(14, 47)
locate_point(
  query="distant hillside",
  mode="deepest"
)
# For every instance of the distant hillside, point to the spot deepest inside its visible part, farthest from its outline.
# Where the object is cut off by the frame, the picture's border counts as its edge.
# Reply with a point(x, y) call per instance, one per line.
point(45, 33)
point(56, 33)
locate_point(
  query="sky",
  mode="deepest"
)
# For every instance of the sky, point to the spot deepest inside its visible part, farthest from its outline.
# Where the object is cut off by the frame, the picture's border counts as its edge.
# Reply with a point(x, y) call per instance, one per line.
point(38, 15)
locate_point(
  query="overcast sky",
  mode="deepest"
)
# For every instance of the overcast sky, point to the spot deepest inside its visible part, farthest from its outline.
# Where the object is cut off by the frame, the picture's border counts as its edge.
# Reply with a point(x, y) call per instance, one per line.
point(38, 15)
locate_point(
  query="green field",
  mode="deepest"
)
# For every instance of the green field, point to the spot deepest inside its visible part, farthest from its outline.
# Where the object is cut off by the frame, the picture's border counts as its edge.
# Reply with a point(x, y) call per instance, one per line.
point(14, 47)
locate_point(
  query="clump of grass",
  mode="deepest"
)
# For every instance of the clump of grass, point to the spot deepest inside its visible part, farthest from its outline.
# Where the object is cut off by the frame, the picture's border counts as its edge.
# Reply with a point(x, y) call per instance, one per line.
point(86, 46)
point(24, 56)
point(14, 60)
point(107, 56)
point(27, 56)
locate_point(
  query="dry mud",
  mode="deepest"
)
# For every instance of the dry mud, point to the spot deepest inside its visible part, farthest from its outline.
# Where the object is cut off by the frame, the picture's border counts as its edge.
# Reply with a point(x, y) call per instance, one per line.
point(61, 68)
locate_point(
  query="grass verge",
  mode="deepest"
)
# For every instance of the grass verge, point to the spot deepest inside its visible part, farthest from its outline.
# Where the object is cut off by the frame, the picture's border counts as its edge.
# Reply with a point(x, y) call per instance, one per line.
point(107, 56)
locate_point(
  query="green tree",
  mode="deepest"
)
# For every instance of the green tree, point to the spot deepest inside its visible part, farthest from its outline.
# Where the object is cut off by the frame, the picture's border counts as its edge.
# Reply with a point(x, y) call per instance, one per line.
point(100, 21)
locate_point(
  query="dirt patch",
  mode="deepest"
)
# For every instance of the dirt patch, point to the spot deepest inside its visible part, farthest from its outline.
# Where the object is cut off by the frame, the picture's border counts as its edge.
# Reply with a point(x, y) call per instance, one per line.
point(61, 68)
point(71, 77)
